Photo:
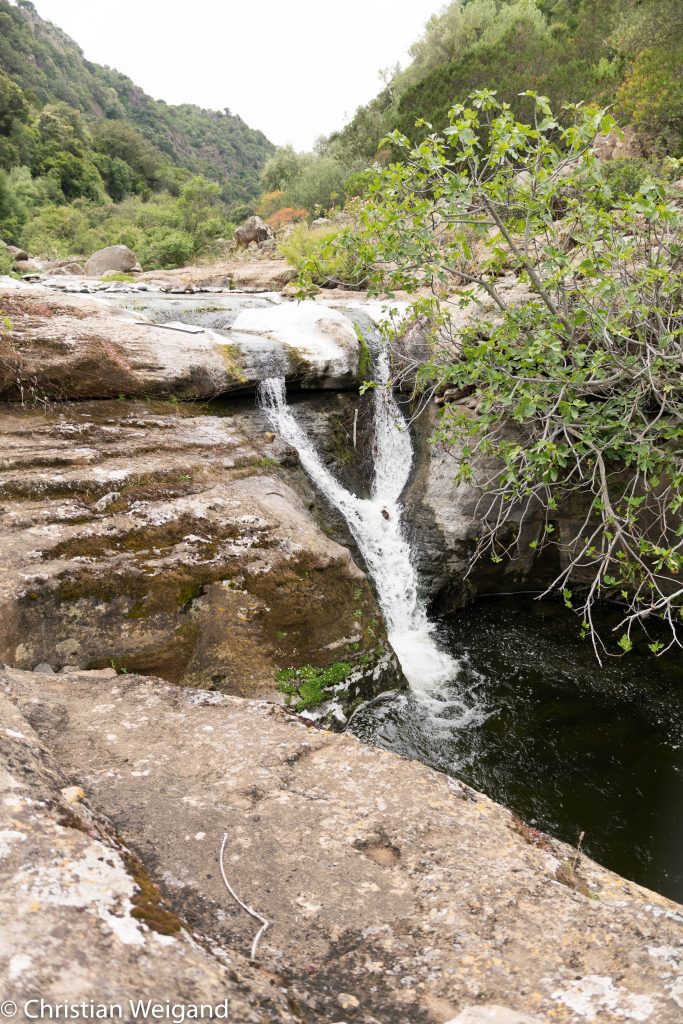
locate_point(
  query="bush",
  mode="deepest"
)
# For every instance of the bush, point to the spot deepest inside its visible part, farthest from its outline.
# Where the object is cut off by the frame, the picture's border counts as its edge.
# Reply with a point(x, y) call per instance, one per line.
point(13, 212)
point(165, 249)
point(320, 186)
point(577, 388)
point(6, 261)
point(239, 212)
point(58, 231)
point(314, 253)
point(269, 203)
point(288, 215)
point(358, 183)
point(305, 687)
point(626, 174)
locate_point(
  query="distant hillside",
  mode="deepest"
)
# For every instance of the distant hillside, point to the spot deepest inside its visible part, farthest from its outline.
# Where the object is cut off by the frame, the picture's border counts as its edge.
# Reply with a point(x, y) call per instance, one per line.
point(50, 68)
point(626, 53)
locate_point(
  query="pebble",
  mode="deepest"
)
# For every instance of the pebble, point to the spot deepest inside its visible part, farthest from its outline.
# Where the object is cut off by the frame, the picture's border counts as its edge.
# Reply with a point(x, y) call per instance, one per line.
point(347, 1001)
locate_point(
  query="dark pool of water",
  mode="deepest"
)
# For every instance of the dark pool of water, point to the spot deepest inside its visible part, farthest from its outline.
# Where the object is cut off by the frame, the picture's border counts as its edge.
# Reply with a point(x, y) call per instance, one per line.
point(569, 746)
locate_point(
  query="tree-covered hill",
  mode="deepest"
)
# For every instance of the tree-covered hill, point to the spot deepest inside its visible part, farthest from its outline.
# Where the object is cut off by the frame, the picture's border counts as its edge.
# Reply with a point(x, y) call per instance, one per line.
point(49, 67)
point(88, 159)
point(625, 54)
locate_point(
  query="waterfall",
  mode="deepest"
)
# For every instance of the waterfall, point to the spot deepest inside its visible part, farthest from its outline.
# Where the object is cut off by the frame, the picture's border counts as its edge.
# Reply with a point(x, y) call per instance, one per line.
point(375, 524)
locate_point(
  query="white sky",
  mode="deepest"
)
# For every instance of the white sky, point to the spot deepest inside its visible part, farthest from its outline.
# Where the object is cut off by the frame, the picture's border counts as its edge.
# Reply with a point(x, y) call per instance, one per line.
point(296, 69)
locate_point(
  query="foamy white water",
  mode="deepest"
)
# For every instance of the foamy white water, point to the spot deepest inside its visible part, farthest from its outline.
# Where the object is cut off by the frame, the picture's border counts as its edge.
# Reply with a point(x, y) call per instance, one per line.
point(380, 537)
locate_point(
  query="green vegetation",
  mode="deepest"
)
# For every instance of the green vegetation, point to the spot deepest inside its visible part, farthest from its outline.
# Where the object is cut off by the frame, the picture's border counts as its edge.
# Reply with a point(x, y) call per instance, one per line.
point(584, 366)
point(87, 159)
point(305, 687)
point(627, 53)
point(365, 360)
point(314, 250)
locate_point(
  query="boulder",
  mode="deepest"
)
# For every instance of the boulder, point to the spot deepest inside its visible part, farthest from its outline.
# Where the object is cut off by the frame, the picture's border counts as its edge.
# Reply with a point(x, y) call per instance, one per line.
point(253, 230)
point(115, 258)
point(19, 254)
point(264, 276)
point(72, 269)
point(28, 266)
point(624, 143)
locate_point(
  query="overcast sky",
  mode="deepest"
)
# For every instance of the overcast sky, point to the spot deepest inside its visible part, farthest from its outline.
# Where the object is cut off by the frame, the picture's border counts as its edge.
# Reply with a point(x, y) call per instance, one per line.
point(296, 69)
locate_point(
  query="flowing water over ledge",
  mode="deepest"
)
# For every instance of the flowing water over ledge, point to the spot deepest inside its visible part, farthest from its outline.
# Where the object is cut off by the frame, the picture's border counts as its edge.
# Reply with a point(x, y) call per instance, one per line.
point(506, 697)
point(565, 744)
point(509, 698)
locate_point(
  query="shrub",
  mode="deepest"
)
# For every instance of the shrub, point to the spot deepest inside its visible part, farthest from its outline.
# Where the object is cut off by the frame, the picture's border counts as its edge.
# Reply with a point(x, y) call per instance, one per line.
point(314, 253)
point(288, 215)
point(269, 203)
point(167, 249)
point(320, 185)
point(6, 261)
point(58, 231)
point(578, 388)
point(626, 174)
point(305, 687)
point(358, 183)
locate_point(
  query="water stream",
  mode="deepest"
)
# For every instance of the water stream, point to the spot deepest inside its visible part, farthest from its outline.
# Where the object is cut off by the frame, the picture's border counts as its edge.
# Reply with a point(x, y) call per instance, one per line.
point(518, 708)
point(506, 696)
point(375, 524)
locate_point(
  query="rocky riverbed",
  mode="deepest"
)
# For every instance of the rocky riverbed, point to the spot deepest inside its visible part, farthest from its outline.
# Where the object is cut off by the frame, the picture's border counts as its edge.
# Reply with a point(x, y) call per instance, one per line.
point(163, 557)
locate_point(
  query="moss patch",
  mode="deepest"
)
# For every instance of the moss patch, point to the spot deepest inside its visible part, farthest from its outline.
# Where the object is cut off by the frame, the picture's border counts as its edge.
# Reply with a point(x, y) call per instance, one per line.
point(365, 356)
point(231, 357)
point(148, 903)
point(305, 686)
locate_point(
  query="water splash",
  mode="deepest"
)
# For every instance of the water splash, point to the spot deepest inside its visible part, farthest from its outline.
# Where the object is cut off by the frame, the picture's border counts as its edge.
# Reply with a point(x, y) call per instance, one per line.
point(375, 524)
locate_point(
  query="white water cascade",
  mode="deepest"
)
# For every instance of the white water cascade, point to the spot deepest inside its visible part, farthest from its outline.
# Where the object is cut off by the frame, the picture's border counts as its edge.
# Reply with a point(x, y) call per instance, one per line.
point(376, 526)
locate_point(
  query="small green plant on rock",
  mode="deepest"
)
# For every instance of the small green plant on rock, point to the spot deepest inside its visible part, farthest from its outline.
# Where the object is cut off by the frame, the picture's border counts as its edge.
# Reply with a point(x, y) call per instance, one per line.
point(118, 276)
point(305, 686)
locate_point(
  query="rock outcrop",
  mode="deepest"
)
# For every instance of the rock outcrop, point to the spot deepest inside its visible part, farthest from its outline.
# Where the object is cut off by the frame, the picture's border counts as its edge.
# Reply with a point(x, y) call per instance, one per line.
point(392, 893)
point(14, 251)
point(80, 919)
point(113, 259)
point(163, 541)
point(617, 144)
point(61, 347)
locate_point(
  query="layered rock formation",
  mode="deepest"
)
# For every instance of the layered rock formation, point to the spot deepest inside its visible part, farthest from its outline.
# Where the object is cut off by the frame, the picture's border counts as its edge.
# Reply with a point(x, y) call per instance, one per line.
point(168, 542)
point(60, 348)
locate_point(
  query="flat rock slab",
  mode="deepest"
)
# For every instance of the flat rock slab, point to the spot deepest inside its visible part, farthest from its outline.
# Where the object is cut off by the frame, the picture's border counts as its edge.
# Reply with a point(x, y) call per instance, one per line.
point(80, 920)
point(393, 893)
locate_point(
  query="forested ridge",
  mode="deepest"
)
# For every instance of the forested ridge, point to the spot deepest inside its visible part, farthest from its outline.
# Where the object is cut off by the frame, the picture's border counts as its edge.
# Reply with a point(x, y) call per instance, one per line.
point(625, 54)
point(76, 136)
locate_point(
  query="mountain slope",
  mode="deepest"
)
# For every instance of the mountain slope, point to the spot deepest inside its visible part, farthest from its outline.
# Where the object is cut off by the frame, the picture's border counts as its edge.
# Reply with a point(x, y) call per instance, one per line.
point(49, 67)
point(623, 53)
